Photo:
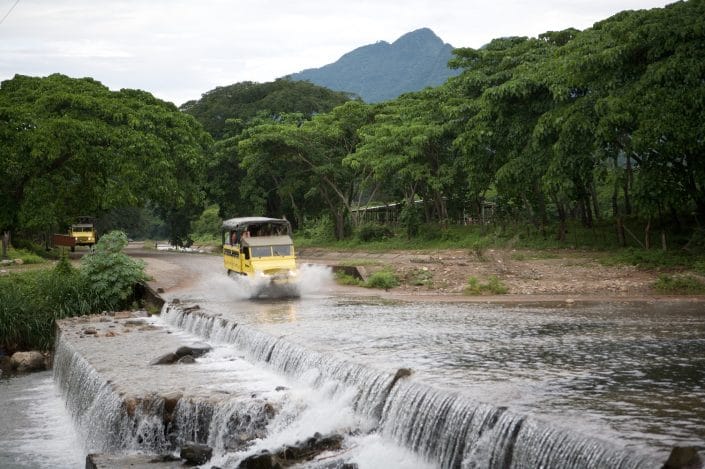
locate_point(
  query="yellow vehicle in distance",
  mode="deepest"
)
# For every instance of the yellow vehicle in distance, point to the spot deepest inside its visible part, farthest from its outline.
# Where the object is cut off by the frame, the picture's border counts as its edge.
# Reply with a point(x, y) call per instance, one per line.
point(259, 247)
point(83, 232)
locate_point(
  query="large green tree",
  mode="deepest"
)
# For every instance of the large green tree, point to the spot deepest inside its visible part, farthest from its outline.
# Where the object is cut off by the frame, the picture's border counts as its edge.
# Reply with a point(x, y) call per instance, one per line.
point(72, 147)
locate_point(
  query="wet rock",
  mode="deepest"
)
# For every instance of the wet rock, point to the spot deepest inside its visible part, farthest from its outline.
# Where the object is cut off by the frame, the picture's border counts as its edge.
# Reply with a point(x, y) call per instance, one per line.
point(191, 309)
point(135, 322)
point(186, 360)
point(195, 350)
point(281, 388)
point(171, 400)
point(5, 364)
point(27, 361)
point(293, 454)
point(90, 331)
point(684, 457)
point(166, 359)
point(176, 301)
point(263, 460)
point(196, 454)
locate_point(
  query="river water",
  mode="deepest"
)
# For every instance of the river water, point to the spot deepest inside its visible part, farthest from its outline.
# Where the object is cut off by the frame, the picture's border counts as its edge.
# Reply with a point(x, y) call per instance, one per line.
point(35, 428)
point(633, 374)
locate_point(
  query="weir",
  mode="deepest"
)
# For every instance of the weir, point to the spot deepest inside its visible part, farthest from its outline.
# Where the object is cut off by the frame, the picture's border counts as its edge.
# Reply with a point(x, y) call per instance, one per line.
point(245, 396)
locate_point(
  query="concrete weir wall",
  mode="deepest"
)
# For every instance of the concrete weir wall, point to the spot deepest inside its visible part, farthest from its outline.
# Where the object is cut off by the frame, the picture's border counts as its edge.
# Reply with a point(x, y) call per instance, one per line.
point(140, 384)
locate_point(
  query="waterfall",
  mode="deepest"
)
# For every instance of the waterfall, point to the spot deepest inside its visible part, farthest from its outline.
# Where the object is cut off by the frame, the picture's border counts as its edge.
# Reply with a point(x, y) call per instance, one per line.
point(440, 425)
point(106, 420)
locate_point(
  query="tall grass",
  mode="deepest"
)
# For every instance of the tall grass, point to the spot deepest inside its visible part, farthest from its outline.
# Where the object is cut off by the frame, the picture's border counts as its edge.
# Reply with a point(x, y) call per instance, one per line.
point(31, 301)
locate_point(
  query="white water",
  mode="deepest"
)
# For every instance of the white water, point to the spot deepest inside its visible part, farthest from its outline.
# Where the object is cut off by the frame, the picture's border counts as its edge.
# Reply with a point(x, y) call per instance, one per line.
point(35, 429)
point(436, 425)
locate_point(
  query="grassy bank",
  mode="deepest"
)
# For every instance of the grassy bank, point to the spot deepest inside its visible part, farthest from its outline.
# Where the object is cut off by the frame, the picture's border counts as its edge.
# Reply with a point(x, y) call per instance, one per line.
point(30, 301)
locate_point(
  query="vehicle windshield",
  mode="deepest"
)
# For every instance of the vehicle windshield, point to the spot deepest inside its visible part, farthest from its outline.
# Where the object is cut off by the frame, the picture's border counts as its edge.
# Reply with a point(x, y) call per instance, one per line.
point(268, 251)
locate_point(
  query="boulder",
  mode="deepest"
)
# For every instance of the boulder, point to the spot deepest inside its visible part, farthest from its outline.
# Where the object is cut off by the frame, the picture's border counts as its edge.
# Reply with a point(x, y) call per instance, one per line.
point(166, 359)
point(186, 360)
point(195, 350)
point(28, 361)
point(263, 460)
point(684, 457)
point(196, 454)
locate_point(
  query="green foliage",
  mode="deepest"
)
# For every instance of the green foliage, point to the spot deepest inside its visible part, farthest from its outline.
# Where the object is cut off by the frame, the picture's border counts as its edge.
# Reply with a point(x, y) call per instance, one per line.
point(207, 226)
point(30, 302)
point(244, 101)
point(494, 286)
point(345, 279)
point(373, 232)
point(26, 256)
point(382, 279)
point(111, 273)
point(73, 147)
point(679, 285)
point(651, 258)
point(316, 231)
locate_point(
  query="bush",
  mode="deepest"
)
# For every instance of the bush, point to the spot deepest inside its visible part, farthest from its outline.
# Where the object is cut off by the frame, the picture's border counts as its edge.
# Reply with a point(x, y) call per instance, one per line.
point(28, 257)
point(373, 232)
point(319, 230)
point(382, 279)
point(679, 285)
point(494, 286)
point(111, 273)
point(345, 279)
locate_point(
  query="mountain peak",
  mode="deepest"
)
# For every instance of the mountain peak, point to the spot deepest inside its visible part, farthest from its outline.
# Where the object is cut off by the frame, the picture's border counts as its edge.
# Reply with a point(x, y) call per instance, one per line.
point(381, 71)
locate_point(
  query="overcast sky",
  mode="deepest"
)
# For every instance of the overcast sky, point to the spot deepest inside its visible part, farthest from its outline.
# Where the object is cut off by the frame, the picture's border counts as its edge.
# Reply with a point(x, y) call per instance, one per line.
point(179, 49)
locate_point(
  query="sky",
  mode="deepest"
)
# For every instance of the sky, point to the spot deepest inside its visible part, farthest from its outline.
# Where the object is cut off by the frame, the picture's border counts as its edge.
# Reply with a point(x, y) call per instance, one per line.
point(179, 49)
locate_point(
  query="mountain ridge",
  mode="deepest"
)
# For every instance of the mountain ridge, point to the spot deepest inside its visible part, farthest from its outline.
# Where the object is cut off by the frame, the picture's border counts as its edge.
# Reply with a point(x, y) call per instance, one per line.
point(382, 71)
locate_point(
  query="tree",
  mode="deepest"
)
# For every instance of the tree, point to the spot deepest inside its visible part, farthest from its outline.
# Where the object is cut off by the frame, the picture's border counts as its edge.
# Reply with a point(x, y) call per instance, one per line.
point(72, 147)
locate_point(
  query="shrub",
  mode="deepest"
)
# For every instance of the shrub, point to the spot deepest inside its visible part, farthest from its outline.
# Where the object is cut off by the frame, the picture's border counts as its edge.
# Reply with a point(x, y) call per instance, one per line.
point(28, 257)
point(679, 285)
point(373, 232)
point(111, 273)
point(494, 286)
point(345, 279)
point(382, 279)
point(319, 230)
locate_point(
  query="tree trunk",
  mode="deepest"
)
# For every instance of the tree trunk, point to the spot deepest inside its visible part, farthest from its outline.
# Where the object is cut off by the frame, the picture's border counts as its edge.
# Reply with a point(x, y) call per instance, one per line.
point(5, 243)
point(647, 234)
point(620, 232)
point(627, 185)
point(595, 203)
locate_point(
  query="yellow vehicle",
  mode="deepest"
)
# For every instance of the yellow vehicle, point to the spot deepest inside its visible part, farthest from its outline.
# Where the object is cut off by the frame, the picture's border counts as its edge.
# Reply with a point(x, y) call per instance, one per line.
point(83, 232)
point(259, 247)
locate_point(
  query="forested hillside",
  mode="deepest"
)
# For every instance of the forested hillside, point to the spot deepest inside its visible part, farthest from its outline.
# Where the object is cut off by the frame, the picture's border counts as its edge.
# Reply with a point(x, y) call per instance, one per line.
point(382, 71)
point(601, 127)
point(245, 100)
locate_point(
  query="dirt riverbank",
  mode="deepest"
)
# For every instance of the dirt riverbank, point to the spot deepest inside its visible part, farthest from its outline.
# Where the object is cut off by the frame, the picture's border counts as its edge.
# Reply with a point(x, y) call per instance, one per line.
point(535, 276)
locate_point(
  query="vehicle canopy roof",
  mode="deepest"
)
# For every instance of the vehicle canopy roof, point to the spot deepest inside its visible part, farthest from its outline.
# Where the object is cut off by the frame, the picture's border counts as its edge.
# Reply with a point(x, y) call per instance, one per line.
point(243, 223)
point(82, 225)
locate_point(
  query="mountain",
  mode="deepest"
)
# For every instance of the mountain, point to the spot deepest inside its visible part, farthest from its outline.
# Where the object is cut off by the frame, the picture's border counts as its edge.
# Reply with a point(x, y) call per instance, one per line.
point(382, 71)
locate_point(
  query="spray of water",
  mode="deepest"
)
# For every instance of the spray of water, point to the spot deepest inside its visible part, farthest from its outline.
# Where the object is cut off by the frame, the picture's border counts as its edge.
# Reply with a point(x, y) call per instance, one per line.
point(309, 280)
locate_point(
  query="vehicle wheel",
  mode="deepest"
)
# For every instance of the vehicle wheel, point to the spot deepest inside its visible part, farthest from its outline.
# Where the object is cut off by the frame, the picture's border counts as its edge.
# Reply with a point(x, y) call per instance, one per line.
point(73, 248)
point(229, 271)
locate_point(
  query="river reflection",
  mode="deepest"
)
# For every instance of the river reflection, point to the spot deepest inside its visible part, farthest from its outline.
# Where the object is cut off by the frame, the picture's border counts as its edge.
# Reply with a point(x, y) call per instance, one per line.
point(632, 372)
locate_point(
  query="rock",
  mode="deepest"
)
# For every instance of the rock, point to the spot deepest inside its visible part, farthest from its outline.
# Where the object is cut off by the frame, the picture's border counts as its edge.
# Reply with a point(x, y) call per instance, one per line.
point(263, 460)
point(110, 334)
point(135, 322)
point(19, 261)
point(176, 301)
point(281, 388)
point(160, 290)
point(195, 350)
point(196, 454)
point(28, 361)
point(166, 359)
point(5, 364)
point(186, 360)
point(90, 331)
point(684, 457)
